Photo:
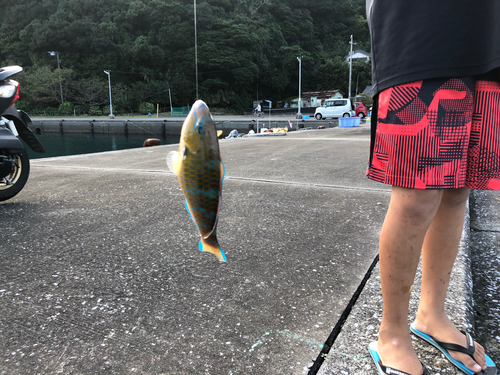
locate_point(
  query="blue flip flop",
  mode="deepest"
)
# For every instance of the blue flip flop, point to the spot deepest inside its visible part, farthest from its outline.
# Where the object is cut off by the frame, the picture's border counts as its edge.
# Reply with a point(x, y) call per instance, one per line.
point(445, 346)
point(384, 370)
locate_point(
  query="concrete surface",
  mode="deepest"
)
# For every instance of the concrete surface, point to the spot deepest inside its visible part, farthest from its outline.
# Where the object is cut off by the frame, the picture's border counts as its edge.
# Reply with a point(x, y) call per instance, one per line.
point(485, 234)
point(349, 354)
point(100, 272)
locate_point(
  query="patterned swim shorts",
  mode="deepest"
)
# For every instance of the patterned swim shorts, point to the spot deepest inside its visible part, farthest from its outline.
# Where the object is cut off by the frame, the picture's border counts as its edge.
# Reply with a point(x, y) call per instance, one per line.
point(437, 134)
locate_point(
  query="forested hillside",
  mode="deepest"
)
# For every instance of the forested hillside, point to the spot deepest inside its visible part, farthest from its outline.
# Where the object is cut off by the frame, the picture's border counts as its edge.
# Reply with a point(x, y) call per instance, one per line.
point(245, 48)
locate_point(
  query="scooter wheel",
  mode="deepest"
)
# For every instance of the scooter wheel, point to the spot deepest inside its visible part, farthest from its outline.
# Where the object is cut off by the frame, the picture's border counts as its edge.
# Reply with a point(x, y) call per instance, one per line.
point(14, 182)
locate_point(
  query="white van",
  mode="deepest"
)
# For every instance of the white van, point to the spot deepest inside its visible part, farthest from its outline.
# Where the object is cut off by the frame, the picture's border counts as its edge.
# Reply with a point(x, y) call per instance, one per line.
point(334, 108)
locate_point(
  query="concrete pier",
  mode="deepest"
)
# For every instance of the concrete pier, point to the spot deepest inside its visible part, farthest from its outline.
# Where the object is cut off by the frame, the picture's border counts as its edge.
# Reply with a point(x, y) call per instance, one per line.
point(100, 270)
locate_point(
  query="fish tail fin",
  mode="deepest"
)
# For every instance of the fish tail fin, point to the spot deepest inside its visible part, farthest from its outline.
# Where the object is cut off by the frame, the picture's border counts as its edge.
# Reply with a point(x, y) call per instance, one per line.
point(211, 245)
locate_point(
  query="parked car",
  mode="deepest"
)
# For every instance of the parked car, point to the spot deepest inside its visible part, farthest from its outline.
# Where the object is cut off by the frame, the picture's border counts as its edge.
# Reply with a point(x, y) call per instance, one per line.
point(361, 109)
point(334, 108)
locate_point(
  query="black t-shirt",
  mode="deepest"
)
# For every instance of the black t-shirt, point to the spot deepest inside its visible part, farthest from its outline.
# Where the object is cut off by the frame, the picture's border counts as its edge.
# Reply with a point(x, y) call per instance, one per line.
point(421, 39)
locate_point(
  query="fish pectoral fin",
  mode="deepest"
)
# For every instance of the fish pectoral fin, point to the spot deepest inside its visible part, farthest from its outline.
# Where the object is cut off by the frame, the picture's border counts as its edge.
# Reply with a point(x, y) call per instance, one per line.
point(211, 245)
point(174, 162)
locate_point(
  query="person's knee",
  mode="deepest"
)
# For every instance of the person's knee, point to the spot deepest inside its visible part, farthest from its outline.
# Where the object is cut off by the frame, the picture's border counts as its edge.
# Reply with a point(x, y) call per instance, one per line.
point(455, 197)
point(419, 206)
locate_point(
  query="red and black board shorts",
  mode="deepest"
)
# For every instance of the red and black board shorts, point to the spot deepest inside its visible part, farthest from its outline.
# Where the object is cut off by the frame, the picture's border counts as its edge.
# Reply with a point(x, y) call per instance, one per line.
point(441, 133)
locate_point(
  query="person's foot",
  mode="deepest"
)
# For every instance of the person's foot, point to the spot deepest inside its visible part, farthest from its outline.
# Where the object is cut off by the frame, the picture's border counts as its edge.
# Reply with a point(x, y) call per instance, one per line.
point(398, 353)
point(444, 330)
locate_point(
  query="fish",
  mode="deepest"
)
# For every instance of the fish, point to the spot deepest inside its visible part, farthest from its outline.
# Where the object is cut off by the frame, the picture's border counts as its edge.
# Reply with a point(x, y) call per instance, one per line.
point(200, 172)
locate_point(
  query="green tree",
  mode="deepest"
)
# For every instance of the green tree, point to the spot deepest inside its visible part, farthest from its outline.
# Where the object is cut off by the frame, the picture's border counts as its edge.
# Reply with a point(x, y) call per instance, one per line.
point(149, 46)
point(90, 91)
point(145, 108)
point(66, 109)
point(41, 85)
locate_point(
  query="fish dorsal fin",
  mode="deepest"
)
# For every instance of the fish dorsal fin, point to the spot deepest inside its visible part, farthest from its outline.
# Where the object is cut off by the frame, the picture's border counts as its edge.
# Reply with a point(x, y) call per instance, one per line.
point(174, 162)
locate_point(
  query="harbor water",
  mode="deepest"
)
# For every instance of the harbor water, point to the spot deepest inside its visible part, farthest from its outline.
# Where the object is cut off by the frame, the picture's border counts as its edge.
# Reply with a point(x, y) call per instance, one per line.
point(74, 144)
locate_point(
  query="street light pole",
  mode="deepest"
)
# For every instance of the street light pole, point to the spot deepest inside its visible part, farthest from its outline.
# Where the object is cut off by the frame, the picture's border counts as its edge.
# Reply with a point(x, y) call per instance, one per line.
point(170, 96)
point(350, 67)
point(299, 115)
point(108, 72)
point(55, 53)
point(196, 50)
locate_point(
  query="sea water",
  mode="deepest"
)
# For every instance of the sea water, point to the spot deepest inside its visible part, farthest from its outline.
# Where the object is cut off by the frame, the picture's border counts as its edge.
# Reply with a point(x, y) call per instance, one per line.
point(74, 144)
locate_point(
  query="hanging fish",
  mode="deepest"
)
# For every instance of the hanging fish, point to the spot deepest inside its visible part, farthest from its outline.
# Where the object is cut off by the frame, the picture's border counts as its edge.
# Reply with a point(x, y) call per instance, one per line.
point(200, 171)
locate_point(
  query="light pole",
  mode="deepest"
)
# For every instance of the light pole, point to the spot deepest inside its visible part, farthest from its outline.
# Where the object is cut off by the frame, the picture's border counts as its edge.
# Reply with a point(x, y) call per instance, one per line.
point(196, 49)
point(270, 105)
point(170, 96)
point(108, 72)
point(299, 115)
point(350, 67)
point(55, 53)
point(357, 83)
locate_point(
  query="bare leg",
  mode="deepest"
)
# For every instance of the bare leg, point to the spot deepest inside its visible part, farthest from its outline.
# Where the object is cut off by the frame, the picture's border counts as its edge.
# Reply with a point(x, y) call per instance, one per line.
point(409, 216)
point(439, 253)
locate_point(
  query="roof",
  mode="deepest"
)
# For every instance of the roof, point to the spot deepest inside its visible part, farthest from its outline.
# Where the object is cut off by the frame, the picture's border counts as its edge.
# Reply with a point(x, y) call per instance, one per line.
point(360, 52)
point(368, 90)
point(321, 93)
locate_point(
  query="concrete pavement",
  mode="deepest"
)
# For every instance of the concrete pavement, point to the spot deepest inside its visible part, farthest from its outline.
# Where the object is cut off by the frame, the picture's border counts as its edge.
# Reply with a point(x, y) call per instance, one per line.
point(100, 271)
point(485, 250)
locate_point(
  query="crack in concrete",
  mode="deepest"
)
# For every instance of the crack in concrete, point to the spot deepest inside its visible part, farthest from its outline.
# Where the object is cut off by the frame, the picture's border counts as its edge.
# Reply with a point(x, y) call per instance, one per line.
point(475, 229)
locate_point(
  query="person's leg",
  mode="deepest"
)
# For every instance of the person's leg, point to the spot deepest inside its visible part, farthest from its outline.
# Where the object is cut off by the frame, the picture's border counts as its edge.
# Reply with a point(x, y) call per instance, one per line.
point(438, 256)
point(409, 216)
point(442, 240)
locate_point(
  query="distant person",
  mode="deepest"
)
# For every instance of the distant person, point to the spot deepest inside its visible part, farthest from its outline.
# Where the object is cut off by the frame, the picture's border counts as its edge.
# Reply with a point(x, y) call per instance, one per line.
point(435, 135)
point(233, 134)
point(258, 108)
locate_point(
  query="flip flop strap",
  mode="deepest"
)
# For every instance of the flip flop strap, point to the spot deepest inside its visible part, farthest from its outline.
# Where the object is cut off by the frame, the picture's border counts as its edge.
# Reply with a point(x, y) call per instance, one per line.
point(469, 350)
point(391, 371)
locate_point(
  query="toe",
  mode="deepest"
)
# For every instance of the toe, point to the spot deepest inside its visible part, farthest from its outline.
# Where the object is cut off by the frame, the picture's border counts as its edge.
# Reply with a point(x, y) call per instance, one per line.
point(471, 364)
point(474, 364)
point(479, 356)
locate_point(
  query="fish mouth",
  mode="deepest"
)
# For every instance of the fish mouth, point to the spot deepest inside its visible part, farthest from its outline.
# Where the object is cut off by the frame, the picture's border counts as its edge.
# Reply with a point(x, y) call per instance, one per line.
point(193, 126)
point(201, 112)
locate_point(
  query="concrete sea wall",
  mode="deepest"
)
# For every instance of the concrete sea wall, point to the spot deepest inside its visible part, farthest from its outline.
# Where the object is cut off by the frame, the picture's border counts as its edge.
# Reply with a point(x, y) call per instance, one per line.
point(163, 127)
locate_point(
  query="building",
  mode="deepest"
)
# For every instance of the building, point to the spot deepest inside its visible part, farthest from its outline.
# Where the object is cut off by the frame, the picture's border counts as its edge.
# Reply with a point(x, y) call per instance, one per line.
point(316, 98)
point(368, 90)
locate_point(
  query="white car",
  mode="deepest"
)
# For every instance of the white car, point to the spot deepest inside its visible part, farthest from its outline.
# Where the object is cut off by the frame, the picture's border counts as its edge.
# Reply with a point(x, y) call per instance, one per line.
point(334, 108)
